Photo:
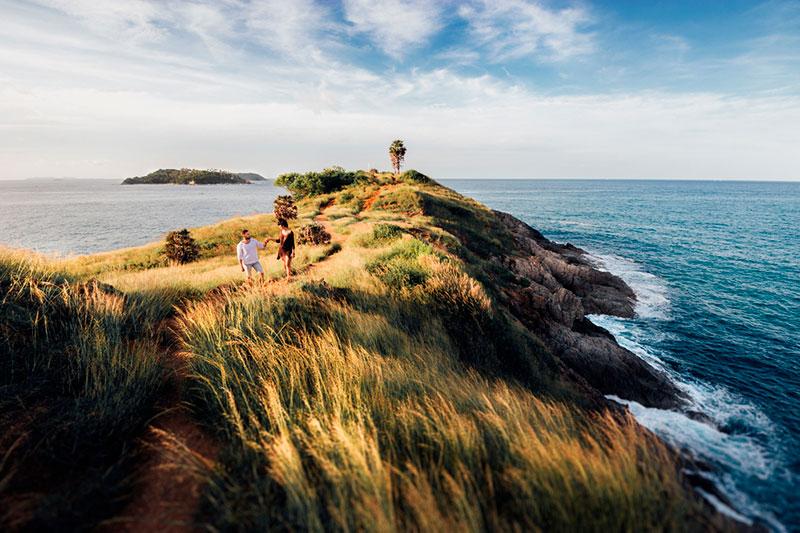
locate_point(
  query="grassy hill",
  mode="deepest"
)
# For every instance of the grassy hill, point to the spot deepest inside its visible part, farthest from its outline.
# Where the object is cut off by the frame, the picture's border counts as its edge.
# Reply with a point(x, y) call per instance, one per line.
point(190, 176)
point(390, 386)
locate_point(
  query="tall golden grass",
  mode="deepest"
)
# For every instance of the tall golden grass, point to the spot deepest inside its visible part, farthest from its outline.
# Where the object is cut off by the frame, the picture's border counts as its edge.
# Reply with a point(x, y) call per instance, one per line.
point(324, 432)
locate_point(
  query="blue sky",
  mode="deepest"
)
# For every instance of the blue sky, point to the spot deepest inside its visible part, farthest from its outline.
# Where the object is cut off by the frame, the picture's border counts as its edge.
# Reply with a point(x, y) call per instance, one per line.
point(503, 88)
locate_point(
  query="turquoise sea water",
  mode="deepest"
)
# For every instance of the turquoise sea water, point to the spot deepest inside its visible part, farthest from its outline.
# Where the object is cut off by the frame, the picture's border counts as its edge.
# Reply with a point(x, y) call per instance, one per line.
point(716, 267)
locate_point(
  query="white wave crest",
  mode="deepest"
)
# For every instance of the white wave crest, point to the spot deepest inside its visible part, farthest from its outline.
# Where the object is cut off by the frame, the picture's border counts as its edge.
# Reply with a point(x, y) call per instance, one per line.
point(652, 293)
point(740, 453)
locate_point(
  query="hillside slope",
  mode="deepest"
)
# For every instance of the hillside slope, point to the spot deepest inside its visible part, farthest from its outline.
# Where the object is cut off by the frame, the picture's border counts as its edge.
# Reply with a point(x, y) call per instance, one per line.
point(429, 369)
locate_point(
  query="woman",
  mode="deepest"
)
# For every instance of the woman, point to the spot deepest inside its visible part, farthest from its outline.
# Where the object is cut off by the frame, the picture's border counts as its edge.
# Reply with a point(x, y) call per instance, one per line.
point(286, 246)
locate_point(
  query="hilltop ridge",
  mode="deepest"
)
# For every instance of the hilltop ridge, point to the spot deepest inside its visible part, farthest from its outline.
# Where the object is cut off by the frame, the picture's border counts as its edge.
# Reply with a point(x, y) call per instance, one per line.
point(430, 368)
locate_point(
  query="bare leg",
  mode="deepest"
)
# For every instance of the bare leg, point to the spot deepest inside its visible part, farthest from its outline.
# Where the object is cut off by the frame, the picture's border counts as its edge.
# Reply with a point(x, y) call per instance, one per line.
point(287, 265)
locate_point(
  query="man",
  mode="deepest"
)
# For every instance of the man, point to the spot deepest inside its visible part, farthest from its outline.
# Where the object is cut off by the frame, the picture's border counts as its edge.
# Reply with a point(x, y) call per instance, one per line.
point(247, 253)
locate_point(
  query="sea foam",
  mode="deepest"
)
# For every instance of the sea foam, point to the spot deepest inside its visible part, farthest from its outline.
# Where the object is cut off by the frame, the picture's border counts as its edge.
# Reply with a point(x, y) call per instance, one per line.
point(739, 456)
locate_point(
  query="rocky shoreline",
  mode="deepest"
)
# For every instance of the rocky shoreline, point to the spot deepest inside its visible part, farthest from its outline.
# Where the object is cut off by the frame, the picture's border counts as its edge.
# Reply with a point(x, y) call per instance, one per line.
point(561, 286)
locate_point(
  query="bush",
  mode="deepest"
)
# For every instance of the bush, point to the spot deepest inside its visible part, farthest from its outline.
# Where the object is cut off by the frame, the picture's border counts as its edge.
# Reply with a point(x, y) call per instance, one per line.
point(284, 208)
point(313, 183)
point(313, 234)
point(181, 247)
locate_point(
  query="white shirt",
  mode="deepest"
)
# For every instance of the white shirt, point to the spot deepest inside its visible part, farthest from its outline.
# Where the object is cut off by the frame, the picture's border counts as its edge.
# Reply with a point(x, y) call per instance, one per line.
point(247, 252)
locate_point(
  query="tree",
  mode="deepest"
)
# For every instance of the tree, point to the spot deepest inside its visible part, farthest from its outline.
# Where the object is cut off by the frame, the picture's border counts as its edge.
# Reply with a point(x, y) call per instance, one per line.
point(285, 208)
point(397, 153)
point(181, 247)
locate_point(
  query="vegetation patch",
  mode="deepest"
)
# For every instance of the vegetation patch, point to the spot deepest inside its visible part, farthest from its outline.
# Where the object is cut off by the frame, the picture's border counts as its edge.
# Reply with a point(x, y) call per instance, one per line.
point(324, 182)
point(284, 208)
point(380, 235)
point(400, 267)
point(180, 247)
point(402, 199)
point(412, 176)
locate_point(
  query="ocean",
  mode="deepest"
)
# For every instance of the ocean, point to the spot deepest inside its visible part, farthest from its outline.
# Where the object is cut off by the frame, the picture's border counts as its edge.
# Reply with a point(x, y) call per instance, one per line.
point(716, 268)
point(81, 216)
point(715, 265)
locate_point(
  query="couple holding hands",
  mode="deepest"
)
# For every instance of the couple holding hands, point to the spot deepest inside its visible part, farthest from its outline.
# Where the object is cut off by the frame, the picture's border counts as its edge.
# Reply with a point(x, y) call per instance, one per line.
point(247, 251)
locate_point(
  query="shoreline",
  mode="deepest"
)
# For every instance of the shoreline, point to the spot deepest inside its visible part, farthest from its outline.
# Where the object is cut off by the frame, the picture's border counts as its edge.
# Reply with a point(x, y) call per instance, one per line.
point(674, 425)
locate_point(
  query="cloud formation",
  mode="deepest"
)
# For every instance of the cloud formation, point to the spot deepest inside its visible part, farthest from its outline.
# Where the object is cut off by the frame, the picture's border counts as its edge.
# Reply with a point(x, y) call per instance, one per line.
point(511, 29)
point(95, 89)
point(394, 26)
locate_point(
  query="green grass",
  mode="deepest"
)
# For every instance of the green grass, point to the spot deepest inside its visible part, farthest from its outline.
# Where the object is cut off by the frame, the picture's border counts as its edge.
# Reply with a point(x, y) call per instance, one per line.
point(387, 388)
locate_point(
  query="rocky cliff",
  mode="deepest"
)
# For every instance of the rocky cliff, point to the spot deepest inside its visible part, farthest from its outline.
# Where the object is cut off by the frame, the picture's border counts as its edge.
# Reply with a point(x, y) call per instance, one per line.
point(563, 287)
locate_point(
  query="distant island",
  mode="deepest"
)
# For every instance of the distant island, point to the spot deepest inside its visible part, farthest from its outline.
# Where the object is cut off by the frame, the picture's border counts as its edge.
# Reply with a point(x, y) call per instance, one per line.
point(191, 176)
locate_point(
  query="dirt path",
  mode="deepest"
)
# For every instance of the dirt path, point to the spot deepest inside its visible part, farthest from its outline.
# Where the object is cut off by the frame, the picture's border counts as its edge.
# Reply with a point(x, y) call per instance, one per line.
point(371, 200)
point(177, 449)
point(322, 218)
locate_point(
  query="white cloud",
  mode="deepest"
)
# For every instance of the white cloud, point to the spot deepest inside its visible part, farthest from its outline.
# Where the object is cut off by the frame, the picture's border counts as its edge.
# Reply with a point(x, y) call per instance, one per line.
point(191, 90)
point(453, 125)
point(292, 28)
point(511, 29)
point(130, 19)
point(395, 25)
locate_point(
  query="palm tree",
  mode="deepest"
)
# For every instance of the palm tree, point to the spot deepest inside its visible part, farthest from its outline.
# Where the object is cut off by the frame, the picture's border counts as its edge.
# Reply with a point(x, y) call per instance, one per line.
point(397, 152)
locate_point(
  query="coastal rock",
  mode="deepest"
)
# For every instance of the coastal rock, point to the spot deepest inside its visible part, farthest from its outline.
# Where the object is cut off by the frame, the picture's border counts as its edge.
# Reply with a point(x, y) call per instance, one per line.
point(560, 287)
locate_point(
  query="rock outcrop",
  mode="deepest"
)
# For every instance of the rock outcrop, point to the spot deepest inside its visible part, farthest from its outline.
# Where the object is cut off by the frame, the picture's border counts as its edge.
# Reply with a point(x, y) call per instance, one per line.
point(559, 288)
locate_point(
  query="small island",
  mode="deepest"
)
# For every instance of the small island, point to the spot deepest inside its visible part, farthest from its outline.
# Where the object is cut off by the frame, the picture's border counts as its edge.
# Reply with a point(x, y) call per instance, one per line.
point(190, 176)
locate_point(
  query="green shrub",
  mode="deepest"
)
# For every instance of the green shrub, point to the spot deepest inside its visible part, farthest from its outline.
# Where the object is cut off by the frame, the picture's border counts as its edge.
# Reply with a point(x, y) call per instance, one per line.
point(313, 183)
point(383, 232)
point(180, 247)
point(401, 272)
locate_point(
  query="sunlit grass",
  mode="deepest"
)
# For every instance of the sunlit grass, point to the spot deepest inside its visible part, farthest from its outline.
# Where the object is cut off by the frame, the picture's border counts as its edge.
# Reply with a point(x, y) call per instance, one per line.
point(384, 389)
point(326, 432)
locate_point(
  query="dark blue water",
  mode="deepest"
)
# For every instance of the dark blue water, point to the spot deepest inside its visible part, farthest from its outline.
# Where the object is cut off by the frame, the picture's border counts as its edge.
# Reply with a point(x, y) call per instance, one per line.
point(716, 266)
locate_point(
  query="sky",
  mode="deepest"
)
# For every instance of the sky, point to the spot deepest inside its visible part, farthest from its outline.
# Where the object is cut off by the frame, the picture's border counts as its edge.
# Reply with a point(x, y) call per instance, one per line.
point(503, 88)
